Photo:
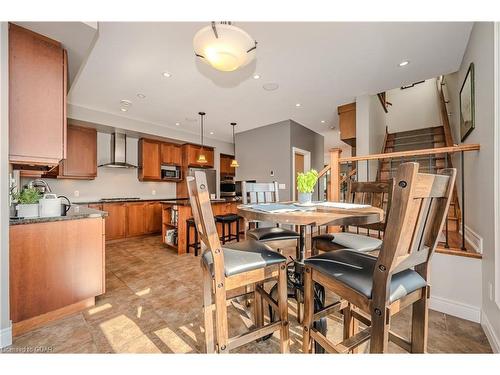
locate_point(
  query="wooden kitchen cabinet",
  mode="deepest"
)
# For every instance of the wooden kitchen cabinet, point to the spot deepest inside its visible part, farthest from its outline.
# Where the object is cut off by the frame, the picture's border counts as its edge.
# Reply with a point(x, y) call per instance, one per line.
point(171, 154)
point(37, 99)
point(191, 153)
point(153, 217)
point(115, 221)
point(347, 123)
point(225, 166)
point(149, 160)
point(136, 219)
point(81, 159)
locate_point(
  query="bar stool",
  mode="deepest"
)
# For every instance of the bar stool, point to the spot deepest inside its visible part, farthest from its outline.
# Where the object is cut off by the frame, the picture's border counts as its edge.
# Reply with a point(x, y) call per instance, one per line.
point(196, 244)
point(228, 220)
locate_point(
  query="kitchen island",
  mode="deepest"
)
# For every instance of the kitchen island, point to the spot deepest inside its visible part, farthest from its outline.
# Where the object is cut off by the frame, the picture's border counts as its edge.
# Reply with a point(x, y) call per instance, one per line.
point(57, 266)
point(176, 212)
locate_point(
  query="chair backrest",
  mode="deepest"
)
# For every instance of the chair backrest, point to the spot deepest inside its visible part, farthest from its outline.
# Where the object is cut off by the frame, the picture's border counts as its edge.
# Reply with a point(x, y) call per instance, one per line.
point(419, 208)
point(377, 194)
point(259, 192)
point(204, 219)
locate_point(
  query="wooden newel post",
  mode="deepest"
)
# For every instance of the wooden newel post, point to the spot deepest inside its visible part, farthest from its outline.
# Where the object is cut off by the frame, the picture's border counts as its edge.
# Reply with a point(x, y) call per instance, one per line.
point(334, 185)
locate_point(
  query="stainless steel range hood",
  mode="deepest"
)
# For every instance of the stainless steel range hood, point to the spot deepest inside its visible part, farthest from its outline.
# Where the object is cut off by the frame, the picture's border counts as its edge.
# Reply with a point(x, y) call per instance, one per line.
point(118, 152)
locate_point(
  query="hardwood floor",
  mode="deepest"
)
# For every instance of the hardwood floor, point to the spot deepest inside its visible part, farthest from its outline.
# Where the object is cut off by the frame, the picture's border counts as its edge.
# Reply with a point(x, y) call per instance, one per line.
point(153, 305)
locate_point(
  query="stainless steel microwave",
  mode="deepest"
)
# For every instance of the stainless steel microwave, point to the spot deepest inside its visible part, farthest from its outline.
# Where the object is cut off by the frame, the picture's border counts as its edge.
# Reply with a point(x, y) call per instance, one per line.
point(227, 188)
point(168, 172)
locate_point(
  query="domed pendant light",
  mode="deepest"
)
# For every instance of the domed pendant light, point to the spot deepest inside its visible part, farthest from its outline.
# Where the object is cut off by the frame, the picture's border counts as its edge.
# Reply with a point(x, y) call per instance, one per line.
point(201, 157)
point(223, 46)
point(234, 162)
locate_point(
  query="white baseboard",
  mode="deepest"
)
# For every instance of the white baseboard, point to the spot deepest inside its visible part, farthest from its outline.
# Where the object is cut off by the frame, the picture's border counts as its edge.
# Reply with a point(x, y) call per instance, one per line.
point(474, 239)
point(490, 333)
point(6, 337)
point(458, 309)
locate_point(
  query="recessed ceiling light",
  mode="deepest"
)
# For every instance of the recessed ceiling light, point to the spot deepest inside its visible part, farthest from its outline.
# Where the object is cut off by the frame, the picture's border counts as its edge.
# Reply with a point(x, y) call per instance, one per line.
point(141, 96)
point(404, 63)
point(177, 123)
point(256, 76)
point(271, 86)
point(166, 74)
point(297, 105)
point(123, 109)
point(212, 133)
point(125, 103)
point(322, 121)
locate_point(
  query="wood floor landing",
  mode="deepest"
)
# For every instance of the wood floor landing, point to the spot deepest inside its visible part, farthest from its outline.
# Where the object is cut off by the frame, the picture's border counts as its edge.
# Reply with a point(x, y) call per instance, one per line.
point(153, 305)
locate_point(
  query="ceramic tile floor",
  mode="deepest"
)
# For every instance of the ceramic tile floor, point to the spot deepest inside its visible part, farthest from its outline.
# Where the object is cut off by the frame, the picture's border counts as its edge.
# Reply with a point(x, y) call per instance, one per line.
point(153, 305)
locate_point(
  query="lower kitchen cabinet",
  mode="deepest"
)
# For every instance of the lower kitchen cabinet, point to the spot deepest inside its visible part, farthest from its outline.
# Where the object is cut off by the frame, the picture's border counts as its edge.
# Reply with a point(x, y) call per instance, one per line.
point(115, 221)
point(136, 223)
point(153, 217)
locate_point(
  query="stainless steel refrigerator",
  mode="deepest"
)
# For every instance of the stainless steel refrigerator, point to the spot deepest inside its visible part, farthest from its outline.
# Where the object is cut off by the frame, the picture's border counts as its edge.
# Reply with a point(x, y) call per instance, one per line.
point(211, 178)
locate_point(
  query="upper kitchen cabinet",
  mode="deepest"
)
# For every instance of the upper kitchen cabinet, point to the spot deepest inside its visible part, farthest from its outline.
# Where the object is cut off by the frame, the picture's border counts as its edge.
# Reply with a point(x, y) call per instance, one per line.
point(347, 123)
point(225, 166)
point(81, 158)
point(37, 99)
point(149, 160)
point(171, 154)
point(191, 153)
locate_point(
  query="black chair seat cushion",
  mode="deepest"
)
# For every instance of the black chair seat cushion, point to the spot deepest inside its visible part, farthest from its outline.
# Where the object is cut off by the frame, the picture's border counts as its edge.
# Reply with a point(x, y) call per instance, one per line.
point(245, 256)
point(272, 234)
point(229, 218)
point(359, 242)
point(355, 270)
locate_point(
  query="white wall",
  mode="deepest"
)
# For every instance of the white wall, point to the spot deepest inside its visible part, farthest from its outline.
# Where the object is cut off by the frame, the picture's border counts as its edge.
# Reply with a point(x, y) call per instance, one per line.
point(112, 182)
point(413, 108)
point(479, 166)
point(5, 324)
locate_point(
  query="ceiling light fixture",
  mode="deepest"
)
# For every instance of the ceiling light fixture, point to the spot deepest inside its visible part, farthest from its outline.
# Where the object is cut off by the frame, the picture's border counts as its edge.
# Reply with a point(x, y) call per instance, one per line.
point(177, 123)
point(271, 86)
point(322, 121)
point(256, 76)
point(141, 96)
point(234, 162)
point(212, 133)
point(166, 74)
point(125, 103)
point(223, 46)
point(404, 63)
point(297, 105)
point(123, 109)
point(202, 159)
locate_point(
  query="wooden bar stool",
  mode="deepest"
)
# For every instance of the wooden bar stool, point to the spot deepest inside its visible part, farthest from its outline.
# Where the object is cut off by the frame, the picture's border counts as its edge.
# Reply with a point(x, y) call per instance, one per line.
point(228, 220)
point(196, 244)
point(234, 266)
point(374, 289)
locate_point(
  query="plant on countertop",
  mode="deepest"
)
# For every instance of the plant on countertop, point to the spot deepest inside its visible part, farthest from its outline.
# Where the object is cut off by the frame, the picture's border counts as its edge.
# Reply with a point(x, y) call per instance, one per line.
point(306, 181)
point(27, 196)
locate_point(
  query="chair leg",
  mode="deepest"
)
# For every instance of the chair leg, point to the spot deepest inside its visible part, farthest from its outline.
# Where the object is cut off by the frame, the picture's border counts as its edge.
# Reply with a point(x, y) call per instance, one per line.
point(307, 323)
point(283, 308)
point(258, 307)
point(419, 325)
point(223, 233)
point(380, 331)
point(238, 230)
point(351, 325)
point(221, 329)
point(207, 311)
point(196, 244)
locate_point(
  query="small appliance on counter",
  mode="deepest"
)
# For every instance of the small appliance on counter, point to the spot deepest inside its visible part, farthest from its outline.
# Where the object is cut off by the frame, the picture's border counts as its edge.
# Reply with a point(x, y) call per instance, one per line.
point(52, 205)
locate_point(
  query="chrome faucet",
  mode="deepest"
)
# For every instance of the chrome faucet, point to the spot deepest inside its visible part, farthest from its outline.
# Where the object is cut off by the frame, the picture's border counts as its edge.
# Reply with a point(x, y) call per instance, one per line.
point(38, 183)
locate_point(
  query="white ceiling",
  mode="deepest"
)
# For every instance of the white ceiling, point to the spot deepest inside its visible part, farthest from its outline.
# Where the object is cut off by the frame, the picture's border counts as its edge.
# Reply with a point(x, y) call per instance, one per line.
point(319, 65)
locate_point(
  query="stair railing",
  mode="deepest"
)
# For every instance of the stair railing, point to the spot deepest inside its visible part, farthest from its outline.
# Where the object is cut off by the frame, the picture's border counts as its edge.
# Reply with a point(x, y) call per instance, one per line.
point(340, 171)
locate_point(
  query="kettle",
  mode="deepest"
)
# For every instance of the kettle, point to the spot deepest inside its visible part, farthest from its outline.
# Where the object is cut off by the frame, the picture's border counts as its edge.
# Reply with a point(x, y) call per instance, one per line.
point(51, 205)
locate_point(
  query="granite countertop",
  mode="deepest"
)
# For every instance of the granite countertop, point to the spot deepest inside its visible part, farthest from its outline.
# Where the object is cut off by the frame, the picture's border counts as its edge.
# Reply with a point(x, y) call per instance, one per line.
point(100, 201)
point(75, 212)
point(185, 201)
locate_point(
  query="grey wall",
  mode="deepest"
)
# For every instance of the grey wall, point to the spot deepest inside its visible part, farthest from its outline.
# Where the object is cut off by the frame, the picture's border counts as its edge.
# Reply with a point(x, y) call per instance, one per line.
point(308, 140)
point(479, 166)
point(262, 150)
point(269, 148)
point(5, 330)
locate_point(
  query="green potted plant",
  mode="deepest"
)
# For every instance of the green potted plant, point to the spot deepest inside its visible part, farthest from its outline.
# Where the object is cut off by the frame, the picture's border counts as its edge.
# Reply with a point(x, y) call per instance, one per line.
point(305, 185)
point(27, 202)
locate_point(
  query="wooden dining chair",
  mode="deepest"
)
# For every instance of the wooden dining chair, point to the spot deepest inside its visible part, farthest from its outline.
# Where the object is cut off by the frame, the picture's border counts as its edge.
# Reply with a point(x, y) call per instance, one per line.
point(374, 289)
point(376, 194)
point(276, 237)
point(231, 267)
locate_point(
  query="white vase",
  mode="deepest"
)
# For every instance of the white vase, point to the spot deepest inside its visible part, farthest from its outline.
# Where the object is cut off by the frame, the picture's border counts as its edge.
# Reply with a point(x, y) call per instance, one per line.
point(305, 198)
point(27, 210)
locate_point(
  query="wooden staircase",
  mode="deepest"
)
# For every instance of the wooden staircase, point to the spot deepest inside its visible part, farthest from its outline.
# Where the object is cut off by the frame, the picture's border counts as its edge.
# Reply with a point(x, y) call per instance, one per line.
point(426, 138)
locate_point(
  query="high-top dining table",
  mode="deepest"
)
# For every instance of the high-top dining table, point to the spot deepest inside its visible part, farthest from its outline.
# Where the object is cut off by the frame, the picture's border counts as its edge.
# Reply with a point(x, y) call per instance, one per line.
point(318, 214)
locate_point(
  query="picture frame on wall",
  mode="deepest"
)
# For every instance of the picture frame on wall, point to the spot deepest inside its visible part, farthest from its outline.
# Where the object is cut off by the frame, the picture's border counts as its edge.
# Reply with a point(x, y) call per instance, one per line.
point(467, 104)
